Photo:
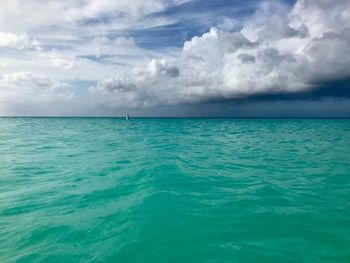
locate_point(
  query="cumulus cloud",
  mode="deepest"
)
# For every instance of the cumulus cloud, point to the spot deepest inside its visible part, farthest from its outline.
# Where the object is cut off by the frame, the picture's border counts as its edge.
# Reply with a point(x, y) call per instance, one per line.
point(290, 52)
point(140, 88)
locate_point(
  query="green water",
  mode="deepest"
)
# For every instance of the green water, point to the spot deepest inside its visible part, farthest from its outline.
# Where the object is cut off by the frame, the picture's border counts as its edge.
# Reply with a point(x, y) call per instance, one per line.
point(174, 190)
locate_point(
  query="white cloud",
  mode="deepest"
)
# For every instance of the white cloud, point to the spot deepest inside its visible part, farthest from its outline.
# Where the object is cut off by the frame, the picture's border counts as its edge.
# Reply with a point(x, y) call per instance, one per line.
point(137, 10)
point(285, 53)
point(18, 41)
point(66, 13)
point(146, 86)
point(321, 16)
point(23, 87)
point(60, 61)
point(119, 45)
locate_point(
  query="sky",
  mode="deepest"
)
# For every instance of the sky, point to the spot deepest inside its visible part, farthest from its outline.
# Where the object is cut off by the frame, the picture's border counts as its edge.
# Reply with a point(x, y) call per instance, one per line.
point(229, 58)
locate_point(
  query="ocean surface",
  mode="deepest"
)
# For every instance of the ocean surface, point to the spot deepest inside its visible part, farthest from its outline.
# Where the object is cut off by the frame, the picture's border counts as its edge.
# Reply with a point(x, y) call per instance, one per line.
point(174, 190)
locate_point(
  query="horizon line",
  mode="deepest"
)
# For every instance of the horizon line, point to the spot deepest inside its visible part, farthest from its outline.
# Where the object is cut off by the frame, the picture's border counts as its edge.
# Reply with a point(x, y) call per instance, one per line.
point(180, 117)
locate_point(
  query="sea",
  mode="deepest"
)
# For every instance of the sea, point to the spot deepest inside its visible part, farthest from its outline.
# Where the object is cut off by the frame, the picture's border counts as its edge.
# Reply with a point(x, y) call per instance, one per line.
point(174, 190)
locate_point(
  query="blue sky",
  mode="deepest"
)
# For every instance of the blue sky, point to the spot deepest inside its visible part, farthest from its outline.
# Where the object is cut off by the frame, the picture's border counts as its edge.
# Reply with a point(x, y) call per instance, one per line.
point(193, 19)
point(174, 57)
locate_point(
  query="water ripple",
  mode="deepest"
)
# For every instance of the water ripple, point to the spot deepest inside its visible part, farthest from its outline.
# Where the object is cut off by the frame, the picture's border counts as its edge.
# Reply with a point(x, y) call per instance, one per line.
point(174, 190)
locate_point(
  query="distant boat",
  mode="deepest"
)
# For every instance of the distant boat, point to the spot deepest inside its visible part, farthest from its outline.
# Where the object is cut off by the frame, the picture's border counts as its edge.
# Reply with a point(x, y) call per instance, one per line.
point(127, 116)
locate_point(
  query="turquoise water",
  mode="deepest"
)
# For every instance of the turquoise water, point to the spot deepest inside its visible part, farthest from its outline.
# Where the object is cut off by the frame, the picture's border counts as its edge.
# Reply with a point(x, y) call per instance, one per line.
point(174, 190)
